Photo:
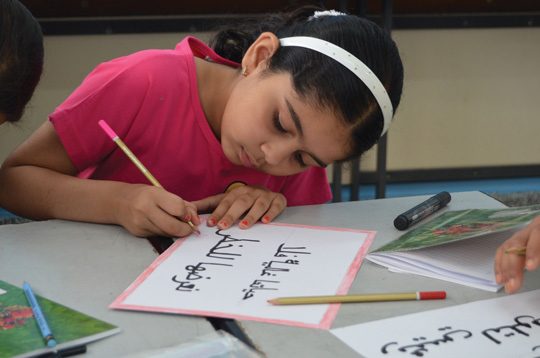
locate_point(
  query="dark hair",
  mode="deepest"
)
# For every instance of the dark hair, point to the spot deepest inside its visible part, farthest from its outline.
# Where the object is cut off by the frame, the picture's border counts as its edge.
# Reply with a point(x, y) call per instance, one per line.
point(21, 58)
point(321, 79)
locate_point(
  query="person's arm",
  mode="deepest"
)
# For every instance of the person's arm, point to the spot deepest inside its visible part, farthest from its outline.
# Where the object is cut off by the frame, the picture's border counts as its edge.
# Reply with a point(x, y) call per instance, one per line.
point(509, 267)
point(37, 181)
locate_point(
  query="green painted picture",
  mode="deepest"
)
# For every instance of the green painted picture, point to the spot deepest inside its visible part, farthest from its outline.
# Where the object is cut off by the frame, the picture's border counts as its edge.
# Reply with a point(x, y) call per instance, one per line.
point(458, 225)
point(19, 332)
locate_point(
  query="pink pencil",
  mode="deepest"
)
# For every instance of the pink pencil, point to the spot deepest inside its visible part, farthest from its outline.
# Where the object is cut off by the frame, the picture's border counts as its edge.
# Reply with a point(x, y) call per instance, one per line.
point(135, 160)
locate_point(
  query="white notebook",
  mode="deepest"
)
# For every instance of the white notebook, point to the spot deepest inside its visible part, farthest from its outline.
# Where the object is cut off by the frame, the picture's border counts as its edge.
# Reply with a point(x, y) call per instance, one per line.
point(458, 246)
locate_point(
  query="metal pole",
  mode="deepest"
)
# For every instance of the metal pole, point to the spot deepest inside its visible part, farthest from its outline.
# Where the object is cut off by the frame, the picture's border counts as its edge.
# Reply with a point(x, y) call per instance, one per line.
point(382, 146)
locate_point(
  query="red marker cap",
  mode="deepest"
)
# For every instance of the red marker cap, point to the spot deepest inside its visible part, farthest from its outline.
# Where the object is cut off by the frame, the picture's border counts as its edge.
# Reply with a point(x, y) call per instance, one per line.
point(434, 295)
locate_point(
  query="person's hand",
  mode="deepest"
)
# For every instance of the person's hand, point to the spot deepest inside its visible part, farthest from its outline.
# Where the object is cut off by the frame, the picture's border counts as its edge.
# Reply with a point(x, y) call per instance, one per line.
point(256, 202)
point(509, 267)
point(146, 211)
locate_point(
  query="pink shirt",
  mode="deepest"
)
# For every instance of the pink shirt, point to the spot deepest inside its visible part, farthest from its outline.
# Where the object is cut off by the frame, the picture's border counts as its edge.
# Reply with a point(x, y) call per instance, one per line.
point(150, 100)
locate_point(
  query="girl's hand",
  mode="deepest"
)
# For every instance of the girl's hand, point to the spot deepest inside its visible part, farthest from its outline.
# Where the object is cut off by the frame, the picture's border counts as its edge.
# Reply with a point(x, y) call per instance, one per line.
point(256, 202)
point(509, 267)
point(146, 210)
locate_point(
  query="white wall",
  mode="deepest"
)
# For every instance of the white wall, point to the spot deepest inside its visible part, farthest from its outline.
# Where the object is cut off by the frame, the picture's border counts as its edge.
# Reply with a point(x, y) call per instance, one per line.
point(471, 96)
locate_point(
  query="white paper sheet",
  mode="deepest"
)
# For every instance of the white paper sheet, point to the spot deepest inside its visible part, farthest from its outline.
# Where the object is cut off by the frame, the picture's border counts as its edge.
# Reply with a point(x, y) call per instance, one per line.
point(468, 262)
point(233, 273)
point(501, 327)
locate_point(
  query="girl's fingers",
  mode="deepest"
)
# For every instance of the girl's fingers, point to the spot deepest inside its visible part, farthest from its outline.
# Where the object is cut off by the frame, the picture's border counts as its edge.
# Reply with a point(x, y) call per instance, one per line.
point(228, 213)
point(231, 207)
point(145, 227)
point(184, 210)
point(501, 272)
point(208, 204)
point(498, 263)
point(277, 205)
point(192, 215)
point(164, 214)
point(164, 224)
point(248, 203)
point(258, 209)
point(513, 266)
point(532, 259)
point(509, 266)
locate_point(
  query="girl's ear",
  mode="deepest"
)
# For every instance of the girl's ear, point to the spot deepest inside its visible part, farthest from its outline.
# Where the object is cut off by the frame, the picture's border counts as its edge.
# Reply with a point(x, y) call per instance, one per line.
point(260, 51)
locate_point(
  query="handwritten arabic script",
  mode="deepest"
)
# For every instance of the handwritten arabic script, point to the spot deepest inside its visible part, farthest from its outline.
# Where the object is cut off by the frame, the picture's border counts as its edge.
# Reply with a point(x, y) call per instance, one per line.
point(225, 250)
point(497, 335)
point(232, 273)
point(229, 248)
point(274, 267)
point(509, 332)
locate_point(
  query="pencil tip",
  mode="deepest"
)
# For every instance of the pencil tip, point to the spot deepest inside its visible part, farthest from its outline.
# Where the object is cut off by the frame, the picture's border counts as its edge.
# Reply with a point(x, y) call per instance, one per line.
point(274, 301)
point(193, 227)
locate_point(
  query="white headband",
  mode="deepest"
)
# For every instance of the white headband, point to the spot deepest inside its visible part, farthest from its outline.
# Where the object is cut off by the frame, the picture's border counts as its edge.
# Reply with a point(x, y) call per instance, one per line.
point(352, 63)
point(318, 14)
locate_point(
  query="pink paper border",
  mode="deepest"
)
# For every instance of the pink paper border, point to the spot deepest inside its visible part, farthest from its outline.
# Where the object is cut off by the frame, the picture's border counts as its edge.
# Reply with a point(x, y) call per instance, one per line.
point(324, 323)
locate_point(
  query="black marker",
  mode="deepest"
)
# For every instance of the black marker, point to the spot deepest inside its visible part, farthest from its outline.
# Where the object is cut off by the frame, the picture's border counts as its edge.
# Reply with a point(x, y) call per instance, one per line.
point(66, 352)
point(422, 210)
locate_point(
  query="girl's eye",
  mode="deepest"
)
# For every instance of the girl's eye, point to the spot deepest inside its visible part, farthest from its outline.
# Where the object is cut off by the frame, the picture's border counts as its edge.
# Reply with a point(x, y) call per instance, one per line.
point(277, 124)
point(280, 129)
point(300, 160)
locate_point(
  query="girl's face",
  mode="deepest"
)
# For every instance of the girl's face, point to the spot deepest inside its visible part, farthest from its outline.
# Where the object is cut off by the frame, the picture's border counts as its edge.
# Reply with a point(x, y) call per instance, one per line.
point(266, 126)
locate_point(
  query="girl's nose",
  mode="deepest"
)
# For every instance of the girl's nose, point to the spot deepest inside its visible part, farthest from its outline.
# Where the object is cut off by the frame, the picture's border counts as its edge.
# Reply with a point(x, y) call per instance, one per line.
point(277, 151)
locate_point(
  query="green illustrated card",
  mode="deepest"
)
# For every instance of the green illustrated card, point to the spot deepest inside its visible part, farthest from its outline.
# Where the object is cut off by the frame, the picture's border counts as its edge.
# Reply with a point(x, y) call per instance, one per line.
point(19, 332)
point(464, 224)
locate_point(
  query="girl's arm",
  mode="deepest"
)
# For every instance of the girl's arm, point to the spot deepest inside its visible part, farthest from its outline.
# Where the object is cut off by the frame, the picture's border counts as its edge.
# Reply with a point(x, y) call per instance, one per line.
point(38, 181)
point(256, 202)
point(509, 267)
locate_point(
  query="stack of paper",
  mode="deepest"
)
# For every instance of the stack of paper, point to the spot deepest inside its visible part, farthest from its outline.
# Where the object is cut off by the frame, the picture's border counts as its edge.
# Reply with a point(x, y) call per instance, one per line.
point(458, 246)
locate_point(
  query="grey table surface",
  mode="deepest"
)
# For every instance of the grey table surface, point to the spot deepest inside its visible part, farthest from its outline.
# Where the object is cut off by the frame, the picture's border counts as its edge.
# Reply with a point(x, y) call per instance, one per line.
point(85, 267)
point(378, 215)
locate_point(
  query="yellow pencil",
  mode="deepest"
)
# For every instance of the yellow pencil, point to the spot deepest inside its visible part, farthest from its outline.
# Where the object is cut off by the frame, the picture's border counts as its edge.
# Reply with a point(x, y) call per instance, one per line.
point(406, 296)
point(136, 161)
point(522, 250)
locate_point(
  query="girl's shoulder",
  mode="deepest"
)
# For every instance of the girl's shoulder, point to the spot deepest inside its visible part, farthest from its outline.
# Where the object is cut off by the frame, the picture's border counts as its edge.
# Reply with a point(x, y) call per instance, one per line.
point(146, 59)
point(162, 62)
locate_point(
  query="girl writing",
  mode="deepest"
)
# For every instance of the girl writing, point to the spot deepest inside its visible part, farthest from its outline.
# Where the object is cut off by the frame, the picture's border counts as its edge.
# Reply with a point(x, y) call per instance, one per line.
point(272, 104)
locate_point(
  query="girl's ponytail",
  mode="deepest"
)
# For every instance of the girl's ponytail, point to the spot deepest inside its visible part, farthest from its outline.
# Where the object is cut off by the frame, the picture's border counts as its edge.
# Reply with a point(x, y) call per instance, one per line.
point(231, 41)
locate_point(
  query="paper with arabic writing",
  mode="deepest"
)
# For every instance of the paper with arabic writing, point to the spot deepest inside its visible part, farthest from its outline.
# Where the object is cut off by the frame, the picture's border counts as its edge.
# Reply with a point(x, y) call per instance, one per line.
point(232, 273)
point(501, 327)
